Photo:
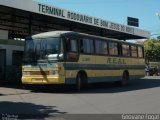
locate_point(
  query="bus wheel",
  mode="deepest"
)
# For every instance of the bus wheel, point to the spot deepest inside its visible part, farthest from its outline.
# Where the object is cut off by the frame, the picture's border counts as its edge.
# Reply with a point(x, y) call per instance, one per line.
point(78, 82)
point(125, 79)
point(81, 80)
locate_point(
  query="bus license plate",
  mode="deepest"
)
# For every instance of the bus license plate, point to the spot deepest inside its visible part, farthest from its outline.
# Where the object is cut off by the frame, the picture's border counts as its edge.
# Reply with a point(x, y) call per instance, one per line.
point(37, 80)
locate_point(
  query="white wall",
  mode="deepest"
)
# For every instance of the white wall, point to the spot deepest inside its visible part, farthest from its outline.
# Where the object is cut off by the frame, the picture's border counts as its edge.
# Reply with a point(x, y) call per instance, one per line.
point(9, 49)
point(3, 34)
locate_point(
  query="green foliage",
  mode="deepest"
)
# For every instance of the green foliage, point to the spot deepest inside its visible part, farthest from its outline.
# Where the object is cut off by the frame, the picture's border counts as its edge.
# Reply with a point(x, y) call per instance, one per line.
point(158, 37)
point(152, 49)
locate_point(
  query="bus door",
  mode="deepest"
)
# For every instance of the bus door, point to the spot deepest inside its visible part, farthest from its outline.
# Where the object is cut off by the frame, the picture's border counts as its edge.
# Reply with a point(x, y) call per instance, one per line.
point(2, 65)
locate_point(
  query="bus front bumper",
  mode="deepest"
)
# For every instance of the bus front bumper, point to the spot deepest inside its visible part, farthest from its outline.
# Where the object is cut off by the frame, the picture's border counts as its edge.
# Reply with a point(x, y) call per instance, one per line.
point(43, 80)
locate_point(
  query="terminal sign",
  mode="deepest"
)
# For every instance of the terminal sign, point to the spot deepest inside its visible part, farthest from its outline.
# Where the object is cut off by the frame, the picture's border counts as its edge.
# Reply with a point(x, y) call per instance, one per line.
point(58, 12)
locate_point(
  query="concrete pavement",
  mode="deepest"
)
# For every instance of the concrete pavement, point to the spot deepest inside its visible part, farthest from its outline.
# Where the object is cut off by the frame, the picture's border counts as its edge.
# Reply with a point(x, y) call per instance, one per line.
point(140, 96)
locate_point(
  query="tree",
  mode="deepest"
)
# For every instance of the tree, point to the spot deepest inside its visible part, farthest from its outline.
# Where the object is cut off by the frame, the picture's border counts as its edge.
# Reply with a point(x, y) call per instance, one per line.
point(158, 37)
point(152, 49)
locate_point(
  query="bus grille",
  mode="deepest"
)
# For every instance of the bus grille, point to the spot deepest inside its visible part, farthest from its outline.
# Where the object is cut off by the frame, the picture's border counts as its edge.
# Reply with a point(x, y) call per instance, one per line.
point(39, 73)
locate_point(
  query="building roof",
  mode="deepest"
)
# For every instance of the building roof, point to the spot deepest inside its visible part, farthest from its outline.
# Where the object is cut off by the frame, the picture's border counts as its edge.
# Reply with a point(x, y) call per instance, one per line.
point(108, 28)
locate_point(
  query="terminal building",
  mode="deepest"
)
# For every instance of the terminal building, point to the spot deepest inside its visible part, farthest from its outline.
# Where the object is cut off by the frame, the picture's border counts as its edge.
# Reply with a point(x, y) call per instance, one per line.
point(21, 18)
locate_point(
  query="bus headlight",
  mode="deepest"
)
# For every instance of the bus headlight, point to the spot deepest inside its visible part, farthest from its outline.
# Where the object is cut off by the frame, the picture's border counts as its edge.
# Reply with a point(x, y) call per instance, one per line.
point(56, 70)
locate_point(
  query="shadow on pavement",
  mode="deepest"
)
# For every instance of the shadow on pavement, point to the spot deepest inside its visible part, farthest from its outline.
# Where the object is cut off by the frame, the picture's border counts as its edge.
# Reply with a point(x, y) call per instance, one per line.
point(108, 87)
point(132, 86)
point(12, 85)
point(27, 110)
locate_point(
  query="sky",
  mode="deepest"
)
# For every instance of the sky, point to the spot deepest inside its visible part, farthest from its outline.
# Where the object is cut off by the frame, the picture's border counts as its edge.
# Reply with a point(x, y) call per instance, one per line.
point(116, 11)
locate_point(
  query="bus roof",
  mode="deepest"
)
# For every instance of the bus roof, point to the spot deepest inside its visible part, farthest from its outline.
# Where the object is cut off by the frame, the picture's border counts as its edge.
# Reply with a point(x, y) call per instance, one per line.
point(53, 34)
point(63, 33)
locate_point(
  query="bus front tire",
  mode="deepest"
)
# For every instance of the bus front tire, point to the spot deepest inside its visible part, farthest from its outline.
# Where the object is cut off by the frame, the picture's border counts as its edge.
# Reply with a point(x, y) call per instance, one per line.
point(78, 83)
point(81, 81)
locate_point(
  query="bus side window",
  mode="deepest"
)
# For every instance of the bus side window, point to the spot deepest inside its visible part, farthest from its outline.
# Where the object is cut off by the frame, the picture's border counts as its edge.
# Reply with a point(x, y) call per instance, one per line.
point(140, 52)
point(119, 49)
point(72, 49)
point(81, 46)
point(87, 46)
point(101, 47)
point(126, 50)
point(113, 48)
point(134, 51)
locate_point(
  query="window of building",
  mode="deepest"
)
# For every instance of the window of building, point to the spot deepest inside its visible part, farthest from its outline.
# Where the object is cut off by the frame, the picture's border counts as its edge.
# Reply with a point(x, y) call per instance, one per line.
point(134, 51)
point(17, 57)
point(101, 47)
point(125, 50)
point(113, 48)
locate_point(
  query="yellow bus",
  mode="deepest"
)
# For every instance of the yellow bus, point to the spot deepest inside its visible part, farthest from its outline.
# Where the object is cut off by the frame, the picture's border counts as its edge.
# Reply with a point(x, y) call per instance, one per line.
point(68, 57)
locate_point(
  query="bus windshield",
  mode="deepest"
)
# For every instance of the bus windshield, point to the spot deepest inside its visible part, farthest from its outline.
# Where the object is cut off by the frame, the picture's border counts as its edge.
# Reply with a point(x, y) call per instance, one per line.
point(43, 49)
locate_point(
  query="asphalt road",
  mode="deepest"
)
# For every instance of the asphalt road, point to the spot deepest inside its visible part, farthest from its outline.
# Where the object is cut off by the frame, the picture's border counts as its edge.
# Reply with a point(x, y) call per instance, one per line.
point(140, 96)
